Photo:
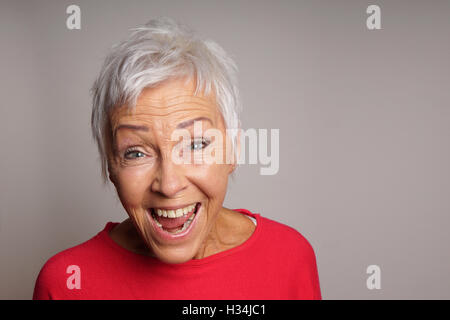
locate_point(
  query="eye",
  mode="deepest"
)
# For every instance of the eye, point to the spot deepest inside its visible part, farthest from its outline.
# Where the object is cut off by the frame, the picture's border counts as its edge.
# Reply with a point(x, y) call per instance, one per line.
point(199, 144)
point(133, 154)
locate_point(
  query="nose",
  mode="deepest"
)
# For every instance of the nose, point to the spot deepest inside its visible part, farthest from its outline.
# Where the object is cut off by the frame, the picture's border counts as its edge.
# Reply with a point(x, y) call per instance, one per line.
point(169, 180)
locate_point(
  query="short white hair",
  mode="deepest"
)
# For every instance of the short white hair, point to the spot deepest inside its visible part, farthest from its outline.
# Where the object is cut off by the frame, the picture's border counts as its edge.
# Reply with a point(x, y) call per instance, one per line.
point(160, 50)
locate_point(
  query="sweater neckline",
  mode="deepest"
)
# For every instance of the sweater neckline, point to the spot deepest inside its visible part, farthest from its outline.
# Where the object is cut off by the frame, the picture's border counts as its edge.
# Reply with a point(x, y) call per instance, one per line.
point(104, 235)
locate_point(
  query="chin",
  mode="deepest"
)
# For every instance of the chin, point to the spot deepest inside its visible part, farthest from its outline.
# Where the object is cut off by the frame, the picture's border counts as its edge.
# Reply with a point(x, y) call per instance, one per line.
point(175, 256)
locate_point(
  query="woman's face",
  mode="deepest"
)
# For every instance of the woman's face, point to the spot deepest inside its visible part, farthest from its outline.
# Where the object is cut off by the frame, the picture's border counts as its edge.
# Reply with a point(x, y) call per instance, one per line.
point(151, 184)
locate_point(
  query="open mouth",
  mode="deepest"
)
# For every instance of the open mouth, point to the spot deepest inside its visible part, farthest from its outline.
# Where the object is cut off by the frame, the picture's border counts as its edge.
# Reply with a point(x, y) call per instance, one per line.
point(175, 221)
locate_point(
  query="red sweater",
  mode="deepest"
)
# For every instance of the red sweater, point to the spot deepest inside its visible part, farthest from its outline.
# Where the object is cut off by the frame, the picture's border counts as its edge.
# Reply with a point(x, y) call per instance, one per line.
point(276, 262)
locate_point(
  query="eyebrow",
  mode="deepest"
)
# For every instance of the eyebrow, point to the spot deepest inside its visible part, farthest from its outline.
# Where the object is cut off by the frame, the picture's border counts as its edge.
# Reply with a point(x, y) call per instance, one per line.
point(131, 126)
point(181, 125)
point(188, 123)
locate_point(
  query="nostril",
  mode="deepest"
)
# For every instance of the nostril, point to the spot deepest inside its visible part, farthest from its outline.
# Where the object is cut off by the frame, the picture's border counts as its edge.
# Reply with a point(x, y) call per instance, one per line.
point(168, 182)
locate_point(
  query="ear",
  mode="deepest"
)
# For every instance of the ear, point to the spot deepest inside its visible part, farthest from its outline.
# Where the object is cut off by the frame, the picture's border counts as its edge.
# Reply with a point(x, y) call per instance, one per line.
point(109, 153)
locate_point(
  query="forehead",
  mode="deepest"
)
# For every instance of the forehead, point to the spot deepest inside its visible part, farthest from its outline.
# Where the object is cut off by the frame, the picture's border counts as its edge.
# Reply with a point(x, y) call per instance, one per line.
point(172, 101)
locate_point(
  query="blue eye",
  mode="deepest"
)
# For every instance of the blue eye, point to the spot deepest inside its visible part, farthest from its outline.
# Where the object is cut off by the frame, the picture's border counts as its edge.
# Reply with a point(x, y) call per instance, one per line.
point(199, 144)
point(133, 154)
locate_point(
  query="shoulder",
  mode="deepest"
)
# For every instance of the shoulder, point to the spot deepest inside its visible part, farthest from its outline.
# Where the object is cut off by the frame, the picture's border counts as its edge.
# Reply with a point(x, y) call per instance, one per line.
point(279, 237)
point(293, 256)
point(51, 280)
point(286, 240)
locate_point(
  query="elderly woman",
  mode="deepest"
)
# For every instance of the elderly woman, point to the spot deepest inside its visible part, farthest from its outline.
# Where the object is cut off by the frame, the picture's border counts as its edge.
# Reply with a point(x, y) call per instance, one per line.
point(164, 100)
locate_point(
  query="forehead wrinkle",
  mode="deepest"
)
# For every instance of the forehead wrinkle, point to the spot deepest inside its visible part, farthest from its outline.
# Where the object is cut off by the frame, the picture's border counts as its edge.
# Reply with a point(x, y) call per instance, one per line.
point(168, 109)
point(174, 115)
point(174, 107)
point(168, 101)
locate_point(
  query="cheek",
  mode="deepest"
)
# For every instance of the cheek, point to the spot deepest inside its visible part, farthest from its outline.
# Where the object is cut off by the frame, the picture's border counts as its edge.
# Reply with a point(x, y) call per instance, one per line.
point(212, 180)
point(132, 185)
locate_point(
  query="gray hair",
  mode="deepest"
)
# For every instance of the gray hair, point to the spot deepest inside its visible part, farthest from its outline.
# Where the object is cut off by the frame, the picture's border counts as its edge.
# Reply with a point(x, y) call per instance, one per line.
point(157, 51)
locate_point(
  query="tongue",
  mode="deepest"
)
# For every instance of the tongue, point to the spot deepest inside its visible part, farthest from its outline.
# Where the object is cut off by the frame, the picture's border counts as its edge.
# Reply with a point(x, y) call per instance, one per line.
point(173, 223)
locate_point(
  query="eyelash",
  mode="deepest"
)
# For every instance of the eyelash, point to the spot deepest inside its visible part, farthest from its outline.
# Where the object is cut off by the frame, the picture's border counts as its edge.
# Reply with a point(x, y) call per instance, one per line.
point(131, 150)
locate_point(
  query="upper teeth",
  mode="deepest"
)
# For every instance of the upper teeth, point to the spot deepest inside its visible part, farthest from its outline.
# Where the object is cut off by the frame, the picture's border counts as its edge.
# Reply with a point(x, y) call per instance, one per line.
point(174, 213)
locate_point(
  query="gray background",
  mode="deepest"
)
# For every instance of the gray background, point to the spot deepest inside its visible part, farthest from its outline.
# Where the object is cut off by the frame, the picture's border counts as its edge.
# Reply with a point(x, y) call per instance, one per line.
point(363, 118)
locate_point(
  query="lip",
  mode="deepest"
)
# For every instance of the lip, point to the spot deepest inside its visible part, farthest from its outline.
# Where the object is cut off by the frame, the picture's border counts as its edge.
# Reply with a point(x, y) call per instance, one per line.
point(168, 237)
